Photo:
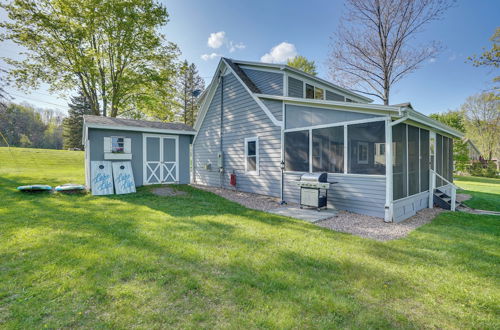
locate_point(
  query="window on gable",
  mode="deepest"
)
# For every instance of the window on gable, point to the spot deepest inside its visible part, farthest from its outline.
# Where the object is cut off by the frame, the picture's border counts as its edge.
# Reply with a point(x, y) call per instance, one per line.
point(309, 91)
point(252, 155)
point(117, 144)
point(319, 93)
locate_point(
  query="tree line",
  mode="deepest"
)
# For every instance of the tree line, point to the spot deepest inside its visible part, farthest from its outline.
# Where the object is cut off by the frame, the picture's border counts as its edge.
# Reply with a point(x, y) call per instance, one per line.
point(25, 126)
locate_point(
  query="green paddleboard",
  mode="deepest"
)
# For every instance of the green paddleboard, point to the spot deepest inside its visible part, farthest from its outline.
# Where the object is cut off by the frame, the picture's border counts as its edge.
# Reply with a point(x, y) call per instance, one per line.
point(35, 187)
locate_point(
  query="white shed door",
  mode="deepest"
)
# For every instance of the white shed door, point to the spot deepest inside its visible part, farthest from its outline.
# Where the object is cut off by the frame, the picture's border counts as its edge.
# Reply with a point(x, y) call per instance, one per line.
point(160, 159)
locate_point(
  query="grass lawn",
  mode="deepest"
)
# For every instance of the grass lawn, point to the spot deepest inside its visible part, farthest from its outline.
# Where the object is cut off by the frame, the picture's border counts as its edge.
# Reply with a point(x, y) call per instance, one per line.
point(485, 192)
point(198, 260)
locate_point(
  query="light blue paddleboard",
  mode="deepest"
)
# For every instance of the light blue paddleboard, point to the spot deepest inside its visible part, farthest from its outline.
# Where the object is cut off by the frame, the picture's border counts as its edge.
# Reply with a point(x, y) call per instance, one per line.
point(70, 187)
point(35, 187)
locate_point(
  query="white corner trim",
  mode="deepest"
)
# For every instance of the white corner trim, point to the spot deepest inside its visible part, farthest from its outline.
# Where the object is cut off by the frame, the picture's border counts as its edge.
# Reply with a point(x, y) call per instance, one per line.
point(256, 99)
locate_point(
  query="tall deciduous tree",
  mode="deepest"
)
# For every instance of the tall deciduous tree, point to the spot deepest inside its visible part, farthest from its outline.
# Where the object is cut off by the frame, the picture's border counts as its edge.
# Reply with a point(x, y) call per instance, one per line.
point(109, 49)
point(482, 114)
point(73, 124)
point(190, 86)
point(302, 63)
point(374, 46)
point(490, 57)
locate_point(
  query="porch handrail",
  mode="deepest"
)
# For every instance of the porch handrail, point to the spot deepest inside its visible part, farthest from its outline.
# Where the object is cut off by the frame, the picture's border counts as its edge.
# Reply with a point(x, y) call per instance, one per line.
point(453, 189)
point(437, 174)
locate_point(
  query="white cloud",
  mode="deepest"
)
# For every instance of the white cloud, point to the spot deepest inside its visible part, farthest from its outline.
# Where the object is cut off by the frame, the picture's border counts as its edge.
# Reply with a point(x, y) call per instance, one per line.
point(216, 39)
point(233, 47)
point(433, 60)
point(280, 53)
point(207, 57)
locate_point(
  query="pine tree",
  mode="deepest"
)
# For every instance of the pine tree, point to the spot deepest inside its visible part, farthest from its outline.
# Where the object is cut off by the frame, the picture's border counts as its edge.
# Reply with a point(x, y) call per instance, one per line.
point(73, 124)
point(190, 87)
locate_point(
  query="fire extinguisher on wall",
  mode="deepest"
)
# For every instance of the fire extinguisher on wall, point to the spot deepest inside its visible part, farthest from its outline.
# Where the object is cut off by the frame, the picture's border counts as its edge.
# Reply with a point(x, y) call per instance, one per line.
point(232, 180)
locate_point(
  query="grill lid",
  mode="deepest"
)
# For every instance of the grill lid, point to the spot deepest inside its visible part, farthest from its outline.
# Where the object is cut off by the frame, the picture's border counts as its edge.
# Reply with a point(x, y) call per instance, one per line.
point(314, 177)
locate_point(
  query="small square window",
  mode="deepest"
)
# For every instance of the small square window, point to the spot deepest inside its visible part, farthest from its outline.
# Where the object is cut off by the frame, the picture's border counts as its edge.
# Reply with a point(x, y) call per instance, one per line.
point(117, 144)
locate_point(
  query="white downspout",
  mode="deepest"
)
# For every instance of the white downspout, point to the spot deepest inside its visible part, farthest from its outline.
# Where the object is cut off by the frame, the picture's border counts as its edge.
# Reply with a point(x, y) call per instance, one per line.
point(388, 214)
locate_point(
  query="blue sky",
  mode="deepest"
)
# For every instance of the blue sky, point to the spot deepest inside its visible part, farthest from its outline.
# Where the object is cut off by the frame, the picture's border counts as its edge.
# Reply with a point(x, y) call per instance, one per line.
point(248, 30)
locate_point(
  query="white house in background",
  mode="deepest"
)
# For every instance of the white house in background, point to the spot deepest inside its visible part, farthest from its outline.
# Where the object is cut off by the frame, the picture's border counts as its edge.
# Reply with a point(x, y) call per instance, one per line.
point(256, 118)
point(474, 153)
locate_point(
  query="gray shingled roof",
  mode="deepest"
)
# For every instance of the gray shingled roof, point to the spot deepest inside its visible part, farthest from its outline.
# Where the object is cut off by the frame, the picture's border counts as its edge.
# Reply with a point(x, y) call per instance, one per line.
point(99, 120)
point(253, 88)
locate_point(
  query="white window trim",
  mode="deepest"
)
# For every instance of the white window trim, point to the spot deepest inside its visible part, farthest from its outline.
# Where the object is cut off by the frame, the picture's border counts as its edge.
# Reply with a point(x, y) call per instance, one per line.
point(256, 140)
point(363, 161)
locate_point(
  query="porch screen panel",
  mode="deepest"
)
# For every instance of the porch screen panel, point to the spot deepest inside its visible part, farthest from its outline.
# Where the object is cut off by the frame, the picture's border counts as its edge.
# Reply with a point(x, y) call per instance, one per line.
point(297, 151)
point(424, 160)
point(439, 159)
point(445, 159)
point(328, 150)
point(399, 162)
point(450, 161)
point(366, 148)
point(413, 160)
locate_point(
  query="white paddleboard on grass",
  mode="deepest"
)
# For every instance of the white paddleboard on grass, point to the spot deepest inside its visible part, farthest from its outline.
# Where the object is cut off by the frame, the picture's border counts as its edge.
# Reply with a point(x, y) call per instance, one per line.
point(123, 177)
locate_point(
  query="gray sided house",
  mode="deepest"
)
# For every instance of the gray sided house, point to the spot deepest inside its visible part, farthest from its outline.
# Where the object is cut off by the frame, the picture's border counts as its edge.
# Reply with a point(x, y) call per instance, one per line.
point(256, 117)
point(159, 152)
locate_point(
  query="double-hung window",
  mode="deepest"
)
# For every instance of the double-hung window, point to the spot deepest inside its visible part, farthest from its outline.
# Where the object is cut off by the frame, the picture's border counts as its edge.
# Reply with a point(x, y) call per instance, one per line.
point(252, 155)
point(313, 92)
point(117, 144)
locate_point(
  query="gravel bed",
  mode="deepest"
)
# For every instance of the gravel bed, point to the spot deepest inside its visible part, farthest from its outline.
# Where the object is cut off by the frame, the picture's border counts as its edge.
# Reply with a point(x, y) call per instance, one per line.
point(375, 228)
point(347, 222)
point(252, 201)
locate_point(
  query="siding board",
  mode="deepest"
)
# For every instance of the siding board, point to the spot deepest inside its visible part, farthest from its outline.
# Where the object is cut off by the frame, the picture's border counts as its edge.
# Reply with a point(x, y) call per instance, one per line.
point(243, 118)
point(268, 82)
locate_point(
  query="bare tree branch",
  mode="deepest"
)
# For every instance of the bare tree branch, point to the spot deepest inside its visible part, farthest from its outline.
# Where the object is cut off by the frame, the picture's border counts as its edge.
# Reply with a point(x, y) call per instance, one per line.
point(372, 46)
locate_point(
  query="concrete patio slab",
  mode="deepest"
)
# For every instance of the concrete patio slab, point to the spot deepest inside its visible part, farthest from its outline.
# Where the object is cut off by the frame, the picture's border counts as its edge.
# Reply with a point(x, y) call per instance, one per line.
point(306, 214)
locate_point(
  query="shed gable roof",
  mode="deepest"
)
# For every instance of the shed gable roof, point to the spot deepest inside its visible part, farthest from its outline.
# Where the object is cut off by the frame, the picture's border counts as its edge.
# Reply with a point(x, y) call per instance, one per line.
point(144, 124)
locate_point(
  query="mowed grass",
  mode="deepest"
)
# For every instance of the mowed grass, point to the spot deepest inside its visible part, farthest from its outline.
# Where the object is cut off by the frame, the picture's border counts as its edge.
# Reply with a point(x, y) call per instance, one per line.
point(485, 192)
point(200, 261)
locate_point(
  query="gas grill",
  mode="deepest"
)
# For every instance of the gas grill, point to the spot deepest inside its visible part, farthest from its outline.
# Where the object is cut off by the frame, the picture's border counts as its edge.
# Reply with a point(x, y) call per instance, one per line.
point(314, 190)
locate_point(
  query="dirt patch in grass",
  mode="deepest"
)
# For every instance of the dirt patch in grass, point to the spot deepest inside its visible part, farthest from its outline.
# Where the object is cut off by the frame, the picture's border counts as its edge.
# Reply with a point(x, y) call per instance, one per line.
point(167, 191)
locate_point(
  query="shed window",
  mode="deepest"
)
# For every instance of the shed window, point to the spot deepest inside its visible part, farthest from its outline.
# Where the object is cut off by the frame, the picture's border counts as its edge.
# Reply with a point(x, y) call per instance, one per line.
point(362, 142)
point(328, 149)
point(252, 155)
point(117, 144)
point(297, 151)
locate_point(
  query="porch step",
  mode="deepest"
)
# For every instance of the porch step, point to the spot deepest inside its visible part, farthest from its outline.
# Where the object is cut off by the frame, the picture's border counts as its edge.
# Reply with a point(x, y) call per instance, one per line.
point(442, 200)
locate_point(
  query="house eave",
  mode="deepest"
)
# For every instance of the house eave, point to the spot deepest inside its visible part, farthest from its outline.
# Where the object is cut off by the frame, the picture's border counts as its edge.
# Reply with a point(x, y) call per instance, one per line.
point(383, 109)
